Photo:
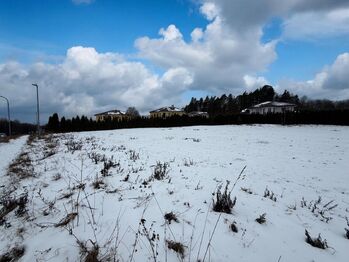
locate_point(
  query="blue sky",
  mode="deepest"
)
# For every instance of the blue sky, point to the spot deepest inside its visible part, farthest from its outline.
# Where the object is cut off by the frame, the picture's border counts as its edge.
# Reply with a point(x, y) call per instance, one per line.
point(148, 49)
point(53, 26)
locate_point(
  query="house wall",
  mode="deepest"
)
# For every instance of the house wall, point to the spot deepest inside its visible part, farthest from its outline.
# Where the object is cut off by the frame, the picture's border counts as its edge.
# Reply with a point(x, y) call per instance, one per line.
point(271, 110)
point(166, 114)
point(112, 117)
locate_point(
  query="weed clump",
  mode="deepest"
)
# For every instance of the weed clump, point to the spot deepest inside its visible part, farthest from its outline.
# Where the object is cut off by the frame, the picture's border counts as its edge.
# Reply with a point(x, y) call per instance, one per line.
point(88, 254)
point(169, 217)
point(22, 166)
point(14, 254)
point(223, 202)
point(261, 219)
point(177, 247)
point(316, 242)
point(269, 194)
point(133, 155)
point(160, 171)
point(10, 203)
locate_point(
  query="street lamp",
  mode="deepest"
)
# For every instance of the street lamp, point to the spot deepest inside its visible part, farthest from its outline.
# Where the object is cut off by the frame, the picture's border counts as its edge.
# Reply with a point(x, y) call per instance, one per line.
point(8, 115)
point(37, 108)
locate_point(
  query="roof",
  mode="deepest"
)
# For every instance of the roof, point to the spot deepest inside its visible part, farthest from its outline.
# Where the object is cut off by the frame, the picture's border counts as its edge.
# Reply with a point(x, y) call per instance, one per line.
point(272, 104)
point(167, 109)
point(111, 112)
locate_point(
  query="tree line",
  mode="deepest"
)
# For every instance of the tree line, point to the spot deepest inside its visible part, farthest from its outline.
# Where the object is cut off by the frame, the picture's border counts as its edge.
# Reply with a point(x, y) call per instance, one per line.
point(222, 110)
point(231, 105)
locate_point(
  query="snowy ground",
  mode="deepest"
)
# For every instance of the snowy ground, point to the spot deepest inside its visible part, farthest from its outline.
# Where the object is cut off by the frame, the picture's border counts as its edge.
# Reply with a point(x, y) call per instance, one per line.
point(74, 209)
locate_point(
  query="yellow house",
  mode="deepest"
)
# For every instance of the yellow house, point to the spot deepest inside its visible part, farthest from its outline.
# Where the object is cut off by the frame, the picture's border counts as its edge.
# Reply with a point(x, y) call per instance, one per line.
point(112, 115)
point(165, 112)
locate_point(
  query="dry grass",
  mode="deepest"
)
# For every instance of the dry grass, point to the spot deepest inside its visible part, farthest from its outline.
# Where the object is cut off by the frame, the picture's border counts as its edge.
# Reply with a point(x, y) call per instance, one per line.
point(316, 242)
point(169, 217)
point(66, 220)
point(14, 254)
point(177, 247)
point(223, 201)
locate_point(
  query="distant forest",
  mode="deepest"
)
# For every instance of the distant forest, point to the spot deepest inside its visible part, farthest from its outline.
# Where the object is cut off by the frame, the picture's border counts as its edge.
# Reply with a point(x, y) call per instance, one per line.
point(222, 110)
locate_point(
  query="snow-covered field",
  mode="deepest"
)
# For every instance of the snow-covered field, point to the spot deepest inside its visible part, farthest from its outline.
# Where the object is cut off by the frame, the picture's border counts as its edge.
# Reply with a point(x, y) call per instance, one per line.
point(94, 194)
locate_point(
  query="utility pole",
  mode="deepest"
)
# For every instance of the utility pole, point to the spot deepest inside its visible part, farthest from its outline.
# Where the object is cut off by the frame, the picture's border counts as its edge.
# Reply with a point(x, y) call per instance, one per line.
point(8, 115)
point(37, 108)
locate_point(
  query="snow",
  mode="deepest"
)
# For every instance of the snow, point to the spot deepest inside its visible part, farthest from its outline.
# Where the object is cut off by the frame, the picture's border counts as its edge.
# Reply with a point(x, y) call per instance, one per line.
point(294, 162)
point(9, 151)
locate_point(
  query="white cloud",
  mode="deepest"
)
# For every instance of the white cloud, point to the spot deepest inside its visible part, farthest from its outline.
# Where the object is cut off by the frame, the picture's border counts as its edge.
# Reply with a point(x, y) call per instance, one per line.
point(87, 82)
point(331, 82)
point(253, 82)
point(217, 57)
point(316, 25)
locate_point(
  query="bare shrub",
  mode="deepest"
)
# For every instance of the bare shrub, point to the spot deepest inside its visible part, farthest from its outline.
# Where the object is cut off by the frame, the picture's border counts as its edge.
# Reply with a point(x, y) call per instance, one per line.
point(261, 219)
point(223, 201)
point(347, 229)
point(96, 158)
point(316, 242)
point(177, 247)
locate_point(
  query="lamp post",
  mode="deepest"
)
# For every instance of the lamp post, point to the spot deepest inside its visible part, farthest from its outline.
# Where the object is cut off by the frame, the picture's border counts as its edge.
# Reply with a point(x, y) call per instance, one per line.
point(37, 108)
point(8, 115)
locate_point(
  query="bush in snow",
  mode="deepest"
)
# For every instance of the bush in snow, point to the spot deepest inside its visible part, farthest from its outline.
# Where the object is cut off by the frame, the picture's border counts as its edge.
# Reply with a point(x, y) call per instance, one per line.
point(223, 201)
point(316, 242)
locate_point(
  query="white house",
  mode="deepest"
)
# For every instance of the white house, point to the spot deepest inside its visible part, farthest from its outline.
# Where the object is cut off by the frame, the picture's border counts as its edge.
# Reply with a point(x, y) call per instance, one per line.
point(270, 107)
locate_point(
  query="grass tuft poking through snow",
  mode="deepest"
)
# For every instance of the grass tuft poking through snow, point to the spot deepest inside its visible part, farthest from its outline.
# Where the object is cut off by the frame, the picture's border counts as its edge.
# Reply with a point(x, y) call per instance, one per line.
point(316, 242)
point(223, 202)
